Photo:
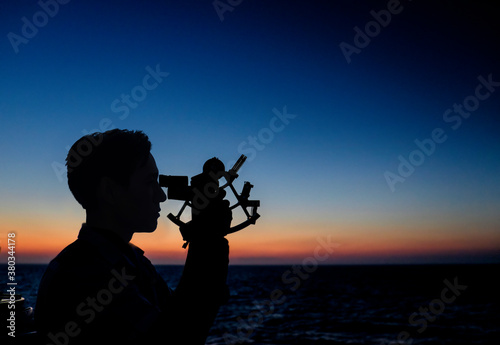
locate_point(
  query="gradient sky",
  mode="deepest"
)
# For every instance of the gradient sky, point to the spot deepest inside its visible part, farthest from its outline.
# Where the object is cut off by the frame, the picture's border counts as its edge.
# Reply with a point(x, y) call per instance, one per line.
point(321, 173)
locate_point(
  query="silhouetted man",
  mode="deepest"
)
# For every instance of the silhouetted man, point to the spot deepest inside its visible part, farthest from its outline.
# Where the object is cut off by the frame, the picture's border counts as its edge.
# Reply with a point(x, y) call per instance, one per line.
point(101, 289)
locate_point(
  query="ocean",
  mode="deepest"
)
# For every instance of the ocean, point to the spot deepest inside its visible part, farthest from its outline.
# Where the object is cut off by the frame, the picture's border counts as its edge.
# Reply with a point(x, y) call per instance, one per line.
point(386, 304)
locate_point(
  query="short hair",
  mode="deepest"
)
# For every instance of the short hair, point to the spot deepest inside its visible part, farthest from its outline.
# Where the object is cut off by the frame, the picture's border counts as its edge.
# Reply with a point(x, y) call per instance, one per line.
point(115, 154)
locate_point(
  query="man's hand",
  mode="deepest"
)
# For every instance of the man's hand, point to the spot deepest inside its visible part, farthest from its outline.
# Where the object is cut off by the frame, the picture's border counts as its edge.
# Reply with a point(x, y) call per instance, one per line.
point(216, 217)
point(213, 221)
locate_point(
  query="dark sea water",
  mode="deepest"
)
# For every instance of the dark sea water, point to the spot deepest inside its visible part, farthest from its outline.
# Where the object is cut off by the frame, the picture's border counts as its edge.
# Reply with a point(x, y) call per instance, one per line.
point(414, 304)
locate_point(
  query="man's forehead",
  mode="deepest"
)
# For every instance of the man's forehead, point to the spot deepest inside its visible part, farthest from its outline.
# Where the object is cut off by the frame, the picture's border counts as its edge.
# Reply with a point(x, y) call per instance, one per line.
point(149, 168)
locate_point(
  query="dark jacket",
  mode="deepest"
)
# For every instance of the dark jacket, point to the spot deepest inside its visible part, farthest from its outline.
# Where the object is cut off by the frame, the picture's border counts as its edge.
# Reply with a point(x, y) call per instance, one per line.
point(101, 290)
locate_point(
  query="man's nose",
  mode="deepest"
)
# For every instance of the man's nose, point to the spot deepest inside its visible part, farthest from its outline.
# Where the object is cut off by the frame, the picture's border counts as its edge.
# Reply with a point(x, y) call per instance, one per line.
point(162, 195)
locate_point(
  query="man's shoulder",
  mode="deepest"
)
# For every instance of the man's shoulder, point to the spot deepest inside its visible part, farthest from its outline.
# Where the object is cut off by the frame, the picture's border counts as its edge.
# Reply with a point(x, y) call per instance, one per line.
point(77, 271)
point(78, 252)
point(77, 262)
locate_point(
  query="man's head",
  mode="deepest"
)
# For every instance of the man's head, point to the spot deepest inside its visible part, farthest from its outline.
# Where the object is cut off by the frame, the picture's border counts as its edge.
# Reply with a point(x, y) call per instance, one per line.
point(114, 177)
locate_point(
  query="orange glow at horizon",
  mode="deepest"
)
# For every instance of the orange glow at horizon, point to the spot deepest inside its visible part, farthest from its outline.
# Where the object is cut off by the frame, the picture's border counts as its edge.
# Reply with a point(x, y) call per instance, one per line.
point(41, 240)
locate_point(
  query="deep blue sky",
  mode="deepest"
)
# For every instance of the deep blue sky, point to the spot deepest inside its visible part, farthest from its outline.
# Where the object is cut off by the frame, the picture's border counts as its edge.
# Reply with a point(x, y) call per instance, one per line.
point(323, 172)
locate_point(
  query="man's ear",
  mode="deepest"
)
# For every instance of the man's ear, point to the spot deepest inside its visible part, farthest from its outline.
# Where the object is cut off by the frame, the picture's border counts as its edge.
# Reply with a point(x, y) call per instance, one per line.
point(109, 191)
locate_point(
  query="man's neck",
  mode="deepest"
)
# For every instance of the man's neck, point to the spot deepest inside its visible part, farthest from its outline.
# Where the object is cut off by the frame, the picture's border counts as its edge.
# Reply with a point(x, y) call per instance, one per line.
point(106, 224)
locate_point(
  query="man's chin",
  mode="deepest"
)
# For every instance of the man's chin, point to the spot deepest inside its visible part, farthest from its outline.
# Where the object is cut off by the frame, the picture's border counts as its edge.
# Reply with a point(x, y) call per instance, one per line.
point(147, 229)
